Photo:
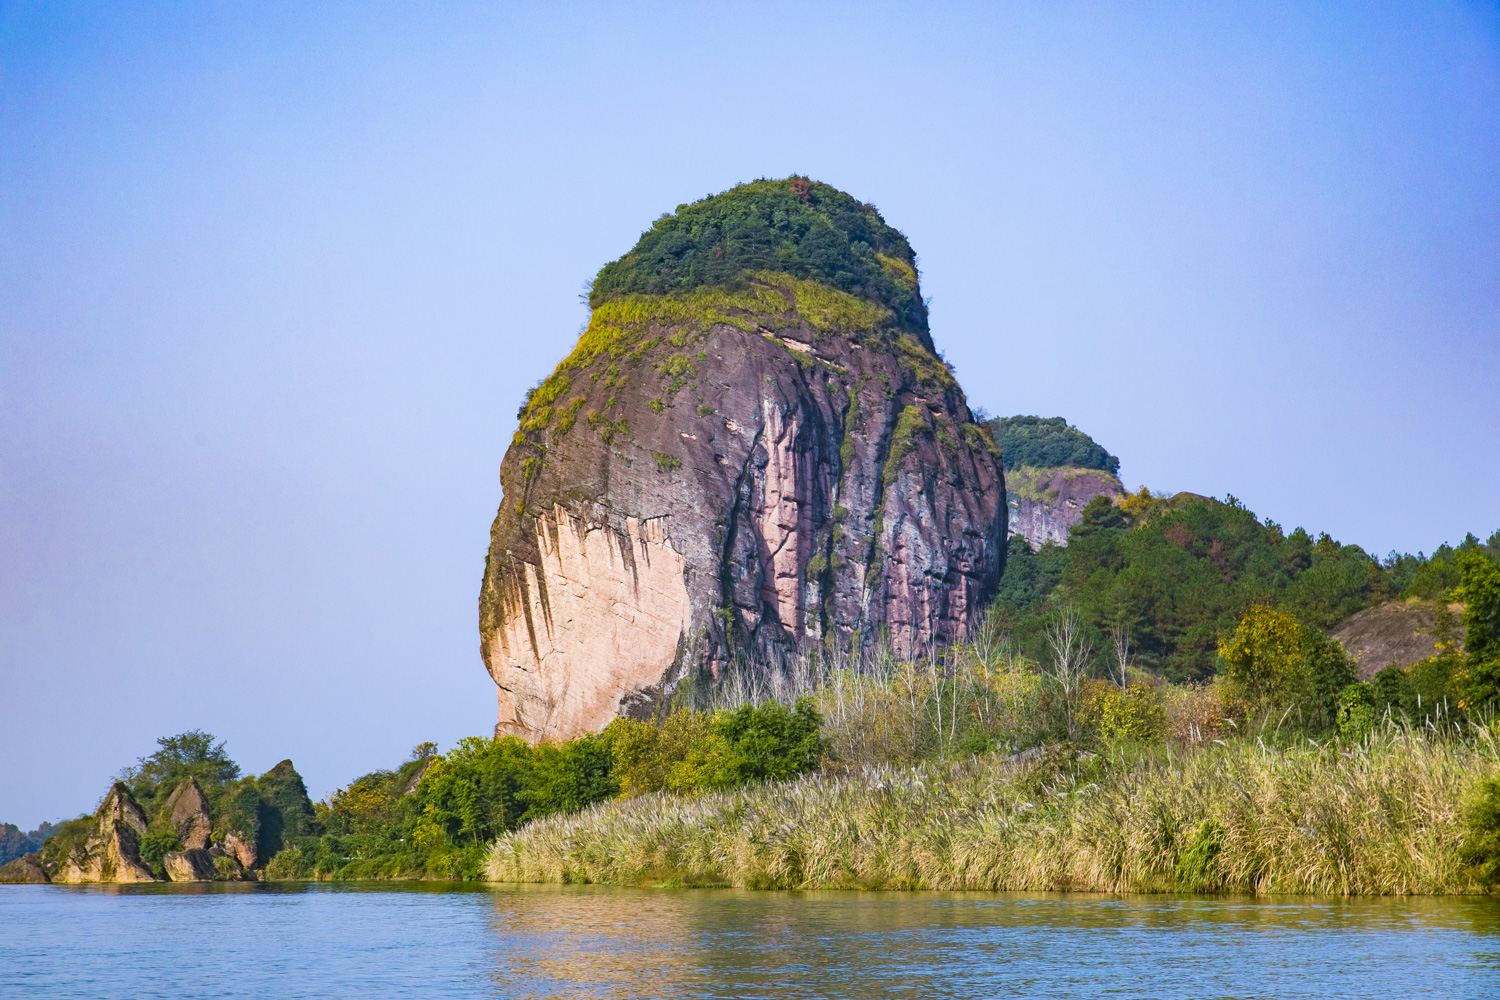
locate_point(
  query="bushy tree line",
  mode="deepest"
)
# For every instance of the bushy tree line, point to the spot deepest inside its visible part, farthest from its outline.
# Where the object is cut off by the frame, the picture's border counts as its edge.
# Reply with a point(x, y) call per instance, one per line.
point(435, 815)
point(1179, 575)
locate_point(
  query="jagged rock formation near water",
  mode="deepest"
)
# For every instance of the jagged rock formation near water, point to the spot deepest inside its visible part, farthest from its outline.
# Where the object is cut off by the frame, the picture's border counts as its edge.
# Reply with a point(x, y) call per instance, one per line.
point(111, 853)
point(753, 449)
point(1052, 471)
point(231, 841)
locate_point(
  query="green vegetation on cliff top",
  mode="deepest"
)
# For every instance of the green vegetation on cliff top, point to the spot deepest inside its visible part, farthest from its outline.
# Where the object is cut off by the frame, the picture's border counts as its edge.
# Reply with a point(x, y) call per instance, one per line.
point(1049, 442)
point(796, 226)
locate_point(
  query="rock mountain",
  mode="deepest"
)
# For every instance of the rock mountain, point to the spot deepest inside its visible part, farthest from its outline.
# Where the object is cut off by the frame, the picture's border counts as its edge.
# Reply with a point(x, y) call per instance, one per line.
point(752, 450)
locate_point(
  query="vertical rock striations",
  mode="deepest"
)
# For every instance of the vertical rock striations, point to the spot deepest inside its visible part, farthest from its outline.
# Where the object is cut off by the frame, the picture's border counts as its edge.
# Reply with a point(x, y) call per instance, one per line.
point(752, 450)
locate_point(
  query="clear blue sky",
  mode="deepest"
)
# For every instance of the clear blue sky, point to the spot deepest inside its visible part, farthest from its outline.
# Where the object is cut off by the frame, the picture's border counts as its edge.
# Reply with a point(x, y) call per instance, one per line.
point(273, 280)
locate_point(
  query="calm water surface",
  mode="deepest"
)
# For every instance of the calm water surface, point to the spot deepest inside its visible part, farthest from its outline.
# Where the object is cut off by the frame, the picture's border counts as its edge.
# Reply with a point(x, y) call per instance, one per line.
point(462, 941)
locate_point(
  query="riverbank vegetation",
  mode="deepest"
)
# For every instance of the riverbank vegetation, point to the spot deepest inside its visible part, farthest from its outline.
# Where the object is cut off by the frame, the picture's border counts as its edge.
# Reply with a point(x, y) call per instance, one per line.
point(1051, 752)
point(1384, 814)
point(1156, 706)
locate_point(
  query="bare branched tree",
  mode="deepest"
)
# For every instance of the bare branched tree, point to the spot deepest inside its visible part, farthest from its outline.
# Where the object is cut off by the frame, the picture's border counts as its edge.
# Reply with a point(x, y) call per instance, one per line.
point(1070, 657)
point(1119, 638)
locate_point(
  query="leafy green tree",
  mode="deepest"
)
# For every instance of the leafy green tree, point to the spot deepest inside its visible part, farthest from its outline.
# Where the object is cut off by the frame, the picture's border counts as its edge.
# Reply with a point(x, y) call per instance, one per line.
point(1435, 577)
point(1263, 658)
point(1099, 514)
point(1479, 589)
point(768, 742)
point(1391, 688)
point(193, 754)
point(568, 776)
point(1329, 671)
point(1029, 576)
point(1273, 661)
point(477, 790)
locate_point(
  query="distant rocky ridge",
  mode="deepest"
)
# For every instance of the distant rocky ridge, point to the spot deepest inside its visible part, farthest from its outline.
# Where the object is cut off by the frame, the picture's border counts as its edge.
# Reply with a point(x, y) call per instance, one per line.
point(1052, 471)
point(1046, 502)
point(753, 450)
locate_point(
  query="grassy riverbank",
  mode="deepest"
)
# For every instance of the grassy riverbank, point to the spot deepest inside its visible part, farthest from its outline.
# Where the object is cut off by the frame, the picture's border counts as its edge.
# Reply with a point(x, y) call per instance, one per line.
point(1382, 816)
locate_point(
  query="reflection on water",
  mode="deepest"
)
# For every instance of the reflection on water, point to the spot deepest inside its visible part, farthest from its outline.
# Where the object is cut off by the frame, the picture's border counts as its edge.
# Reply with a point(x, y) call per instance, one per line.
point(631, 943)
point(575, 941)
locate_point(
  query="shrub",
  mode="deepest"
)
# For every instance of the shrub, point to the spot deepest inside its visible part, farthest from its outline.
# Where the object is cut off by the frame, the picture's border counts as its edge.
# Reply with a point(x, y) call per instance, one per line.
point(1135, 713)
point(1273, 662)
point(767, 742)
point(567, 777)
point(154, 847)
point(678, 754)
point(1391, 689)
point(289, 865)
point(1481, 850)
point(1356, 715)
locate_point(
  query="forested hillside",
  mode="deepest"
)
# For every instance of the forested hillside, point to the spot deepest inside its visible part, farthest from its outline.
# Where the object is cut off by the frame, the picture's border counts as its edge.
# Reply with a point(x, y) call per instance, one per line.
point(1176, 575)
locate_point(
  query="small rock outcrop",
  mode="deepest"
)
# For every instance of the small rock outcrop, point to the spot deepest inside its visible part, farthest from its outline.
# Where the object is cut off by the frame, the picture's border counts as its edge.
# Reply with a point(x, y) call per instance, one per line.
point(27, 868)
point(226, 833)
point(1045, 503)
point(192, 865)
point(1052, 471)
point(242, 851)
point(187, 813)
point(1397, 633)
point(753, 450)
point(112, 851)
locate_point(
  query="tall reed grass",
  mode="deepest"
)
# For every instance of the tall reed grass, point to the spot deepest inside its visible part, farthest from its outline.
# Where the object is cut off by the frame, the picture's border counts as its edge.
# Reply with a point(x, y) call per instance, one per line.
point(1381, 816)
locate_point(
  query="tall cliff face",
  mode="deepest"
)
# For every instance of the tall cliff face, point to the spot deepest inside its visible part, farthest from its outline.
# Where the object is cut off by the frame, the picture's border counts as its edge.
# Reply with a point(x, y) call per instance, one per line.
point(736, 461)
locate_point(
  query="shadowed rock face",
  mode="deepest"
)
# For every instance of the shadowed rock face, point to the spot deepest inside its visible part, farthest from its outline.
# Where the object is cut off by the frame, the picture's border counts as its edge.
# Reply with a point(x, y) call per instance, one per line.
point(26, 868)
point(192, 865)
point(187, 811)
point(715, 473)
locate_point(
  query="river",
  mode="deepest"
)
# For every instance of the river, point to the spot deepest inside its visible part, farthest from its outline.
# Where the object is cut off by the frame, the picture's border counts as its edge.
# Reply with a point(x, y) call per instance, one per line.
point(422, 940)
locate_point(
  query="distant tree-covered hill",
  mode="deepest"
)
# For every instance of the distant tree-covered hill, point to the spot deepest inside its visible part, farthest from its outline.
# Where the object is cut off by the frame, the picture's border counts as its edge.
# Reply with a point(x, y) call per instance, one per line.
point(1177, 574)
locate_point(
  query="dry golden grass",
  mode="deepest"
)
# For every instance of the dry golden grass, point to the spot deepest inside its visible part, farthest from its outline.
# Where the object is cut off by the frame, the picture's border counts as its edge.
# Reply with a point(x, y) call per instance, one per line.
point(1380, 817)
